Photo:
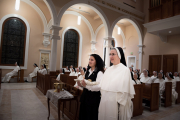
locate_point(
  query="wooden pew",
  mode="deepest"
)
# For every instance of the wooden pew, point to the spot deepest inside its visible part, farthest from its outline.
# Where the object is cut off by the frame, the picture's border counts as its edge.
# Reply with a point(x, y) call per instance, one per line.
point(151, 93)
point(67, 73)
point(0, 77)
point(43, 82)
point(178, 91)
point(64, 78)
point(137, 100)
point(70, 80)
point(168, 94)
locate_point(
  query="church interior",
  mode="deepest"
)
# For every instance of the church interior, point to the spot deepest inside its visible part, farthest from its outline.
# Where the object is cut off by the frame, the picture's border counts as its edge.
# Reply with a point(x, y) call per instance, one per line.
point(47, 44)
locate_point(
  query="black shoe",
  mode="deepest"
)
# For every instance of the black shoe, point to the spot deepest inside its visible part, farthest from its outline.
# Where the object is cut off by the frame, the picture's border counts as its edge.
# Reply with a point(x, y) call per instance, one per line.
point(25, 81)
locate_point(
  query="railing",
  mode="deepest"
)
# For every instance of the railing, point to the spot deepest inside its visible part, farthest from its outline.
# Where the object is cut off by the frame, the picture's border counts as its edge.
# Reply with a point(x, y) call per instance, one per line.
point(161, 9)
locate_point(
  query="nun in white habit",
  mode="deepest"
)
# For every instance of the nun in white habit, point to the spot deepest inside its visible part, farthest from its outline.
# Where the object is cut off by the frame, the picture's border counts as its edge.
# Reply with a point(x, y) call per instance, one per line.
point(161, 82)
point(176, 77)
point(146, 78)
point(43, 69)
point(59, 76)
point(117, 89)
point(8, 76)
point(154, 77)
point(174, 93)
point(33, 74)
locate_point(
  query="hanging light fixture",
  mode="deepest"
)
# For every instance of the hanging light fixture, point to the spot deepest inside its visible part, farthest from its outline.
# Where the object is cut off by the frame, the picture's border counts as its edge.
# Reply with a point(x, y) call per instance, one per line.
point(79, 18)
point(119, 30)
point(17, 4)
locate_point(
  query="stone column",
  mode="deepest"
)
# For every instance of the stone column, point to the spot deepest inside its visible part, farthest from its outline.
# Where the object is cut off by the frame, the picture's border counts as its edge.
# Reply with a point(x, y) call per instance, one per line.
point(54, 37)
point(140, 56)
point(46, 41)
point(108, 46)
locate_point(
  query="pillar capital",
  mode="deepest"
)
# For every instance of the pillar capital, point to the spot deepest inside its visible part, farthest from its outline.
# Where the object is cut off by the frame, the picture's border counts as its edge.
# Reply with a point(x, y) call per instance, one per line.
point(109, 38)
point(55, 32)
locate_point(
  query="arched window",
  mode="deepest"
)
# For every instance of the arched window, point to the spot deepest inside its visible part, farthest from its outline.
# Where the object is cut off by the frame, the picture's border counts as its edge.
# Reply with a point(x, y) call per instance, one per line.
point(71, 48)
point(13, 41)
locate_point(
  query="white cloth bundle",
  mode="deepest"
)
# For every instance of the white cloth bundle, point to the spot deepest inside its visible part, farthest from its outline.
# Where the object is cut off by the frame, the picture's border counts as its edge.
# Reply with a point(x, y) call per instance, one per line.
point(88, 82)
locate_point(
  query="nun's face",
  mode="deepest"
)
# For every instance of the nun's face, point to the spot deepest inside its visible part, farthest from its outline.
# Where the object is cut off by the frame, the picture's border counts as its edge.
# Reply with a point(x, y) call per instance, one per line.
point(42, 67)
point(175, 74)
point(60, 71)
point(77, 70)
point(15, 64)
point(92, 61)
point(114, 57)
point(161, 70)
point(159, 75)
point(167, 74)
point(145, 73)
point(155, 74)
point(66, 68)
point(135, 76)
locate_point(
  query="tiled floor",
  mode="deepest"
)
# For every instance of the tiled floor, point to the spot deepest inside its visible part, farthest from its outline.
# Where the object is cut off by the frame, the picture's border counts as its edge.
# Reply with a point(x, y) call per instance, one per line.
point(23, 101)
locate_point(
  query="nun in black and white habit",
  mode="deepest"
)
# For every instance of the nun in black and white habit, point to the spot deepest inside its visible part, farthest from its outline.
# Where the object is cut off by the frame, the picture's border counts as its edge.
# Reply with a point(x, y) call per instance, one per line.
point(117, 89)
point(34, 73)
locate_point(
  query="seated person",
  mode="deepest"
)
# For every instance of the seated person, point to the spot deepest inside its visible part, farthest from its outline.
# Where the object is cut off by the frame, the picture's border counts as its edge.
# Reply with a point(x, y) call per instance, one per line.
point(66, 69)
point(136, 81)
point(43, 69)
point(169, 78)
point(72, 73)
point(146, 78)
point(80, 67)
point(33, 74)
point(77, 72)
point(161, 82)
point(61, 72)
point(8, 76)
point(154, 77)
point(82, 76)
point(176, 77)
point(71, 67)
point(142, 74)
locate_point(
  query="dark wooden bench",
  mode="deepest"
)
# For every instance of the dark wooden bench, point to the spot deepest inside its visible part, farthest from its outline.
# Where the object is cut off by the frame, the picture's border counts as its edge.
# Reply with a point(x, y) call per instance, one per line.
point(137, 100)
point(167, 95)
point(178, 91)
point(67, 73)
point(43, 82)
point(70, 80)
point(151, 93)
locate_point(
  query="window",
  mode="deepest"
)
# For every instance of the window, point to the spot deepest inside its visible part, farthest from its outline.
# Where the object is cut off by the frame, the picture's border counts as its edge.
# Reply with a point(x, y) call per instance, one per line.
point(13, 41)
point(71, 48)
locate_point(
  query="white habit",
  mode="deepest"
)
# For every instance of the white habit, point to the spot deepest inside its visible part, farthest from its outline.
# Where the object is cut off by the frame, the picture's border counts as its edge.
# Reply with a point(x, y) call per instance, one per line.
point(176, 78)
point(117, 90)
point(153, 78)
point(59, 76)
point(146, 80)
point(174, 93)
point(137, 82)
point(161, 85)
point(33, 74)
point(43, 71)
point(8, 76)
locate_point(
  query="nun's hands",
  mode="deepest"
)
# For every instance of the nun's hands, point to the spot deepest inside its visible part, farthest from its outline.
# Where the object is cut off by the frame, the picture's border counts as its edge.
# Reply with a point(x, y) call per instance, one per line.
point(79, 84)
point(83, 83)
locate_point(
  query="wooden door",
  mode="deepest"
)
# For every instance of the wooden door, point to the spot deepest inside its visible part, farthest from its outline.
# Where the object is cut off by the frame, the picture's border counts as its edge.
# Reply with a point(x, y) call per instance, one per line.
point(154, 63)
point(170, 63)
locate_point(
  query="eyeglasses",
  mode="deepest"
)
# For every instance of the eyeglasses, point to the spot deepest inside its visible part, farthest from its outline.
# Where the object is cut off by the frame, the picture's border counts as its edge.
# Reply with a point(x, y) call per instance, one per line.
point(112, 54)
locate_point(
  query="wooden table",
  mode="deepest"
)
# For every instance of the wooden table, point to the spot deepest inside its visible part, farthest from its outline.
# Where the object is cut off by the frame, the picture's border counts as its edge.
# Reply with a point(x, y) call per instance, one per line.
point(58, 99)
